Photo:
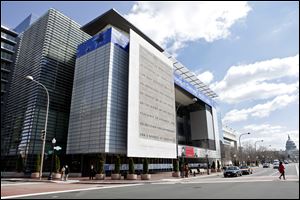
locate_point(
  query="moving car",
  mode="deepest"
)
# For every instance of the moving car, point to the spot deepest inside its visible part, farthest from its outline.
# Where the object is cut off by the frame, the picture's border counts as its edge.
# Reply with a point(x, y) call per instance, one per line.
point(232, 171)
point(275, 165)
point(246, 170)
point(266, 165)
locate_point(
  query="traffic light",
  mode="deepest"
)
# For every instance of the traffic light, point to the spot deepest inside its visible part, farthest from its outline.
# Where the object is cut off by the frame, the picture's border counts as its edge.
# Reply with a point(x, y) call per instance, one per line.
point(43, 133)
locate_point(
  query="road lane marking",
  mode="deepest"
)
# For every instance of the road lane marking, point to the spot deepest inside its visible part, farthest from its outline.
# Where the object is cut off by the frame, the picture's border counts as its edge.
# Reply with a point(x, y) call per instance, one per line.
point(242, 181)
point(274, 173)
point(297, 170)
point(14, 184)
point(66, 191)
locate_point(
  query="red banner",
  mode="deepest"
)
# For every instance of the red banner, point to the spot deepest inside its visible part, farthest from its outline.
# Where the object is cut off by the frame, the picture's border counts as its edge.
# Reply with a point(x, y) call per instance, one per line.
point(189, 152)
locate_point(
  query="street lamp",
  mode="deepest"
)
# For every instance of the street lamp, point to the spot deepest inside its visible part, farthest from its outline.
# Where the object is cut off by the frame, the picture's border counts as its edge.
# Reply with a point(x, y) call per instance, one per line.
point(240, 138)
point(234, 160)
point(53, 144)
point(46, 121)
point(256, 142)
point(240, 150)
point(248, 162)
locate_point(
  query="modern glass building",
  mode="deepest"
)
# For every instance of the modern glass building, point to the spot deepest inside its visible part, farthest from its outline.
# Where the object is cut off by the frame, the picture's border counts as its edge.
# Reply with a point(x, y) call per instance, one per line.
point(47, 52)
point(9, 40)
point(131, 98)
point(8, 43)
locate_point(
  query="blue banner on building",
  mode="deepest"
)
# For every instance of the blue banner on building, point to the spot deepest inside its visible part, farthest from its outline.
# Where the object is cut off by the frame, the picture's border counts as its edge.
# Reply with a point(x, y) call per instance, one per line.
point(194, 91)
point(109, 35)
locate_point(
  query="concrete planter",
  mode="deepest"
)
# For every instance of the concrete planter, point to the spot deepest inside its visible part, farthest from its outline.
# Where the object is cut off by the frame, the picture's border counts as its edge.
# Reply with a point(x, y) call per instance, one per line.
point(175, 174)
point(131, 176)
point(115, 176)
point(56, 175)
point(146, 176)
point(100, 176)
point(35, 175)
point(12, 174)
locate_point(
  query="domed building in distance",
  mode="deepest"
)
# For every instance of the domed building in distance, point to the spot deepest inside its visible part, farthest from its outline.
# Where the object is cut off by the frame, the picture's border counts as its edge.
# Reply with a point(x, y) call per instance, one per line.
point(291, 150)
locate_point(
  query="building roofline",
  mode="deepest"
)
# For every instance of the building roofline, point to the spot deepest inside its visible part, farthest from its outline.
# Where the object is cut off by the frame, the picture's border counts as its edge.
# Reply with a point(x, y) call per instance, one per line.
point(9, 30)
point(114, 18)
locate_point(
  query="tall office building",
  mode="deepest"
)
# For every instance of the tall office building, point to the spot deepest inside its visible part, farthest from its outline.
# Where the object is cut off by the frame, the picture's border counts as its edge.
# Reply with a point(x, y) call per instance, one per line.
point(8, 43)
point(131, 98)
point(9, 40)
point(47, 53)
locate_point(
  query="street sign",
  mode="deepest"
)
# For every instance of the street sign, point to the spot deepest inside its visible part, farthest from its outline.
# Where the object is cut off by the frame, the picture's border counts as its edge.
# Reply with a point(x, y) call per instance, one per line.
point(57, 148)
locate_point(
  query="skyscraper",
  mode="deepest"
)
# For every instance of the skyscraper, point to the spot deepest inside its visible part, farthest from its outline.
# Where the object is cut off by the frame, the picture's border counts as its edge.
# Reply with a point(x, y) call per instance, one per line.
point(8, 43)
point(9, 40)
point(133, 99)
point(47, 52)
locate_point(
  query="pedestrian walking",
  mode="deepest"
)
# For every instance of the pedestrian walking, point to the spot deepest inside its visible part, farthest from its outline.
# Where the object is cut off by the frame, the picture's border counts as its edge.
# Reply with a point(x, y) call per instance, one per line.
point(186, 170)
point(281, 170)
point(92, 172)
point(182, 169)
point(67, 171)
point(62, 172)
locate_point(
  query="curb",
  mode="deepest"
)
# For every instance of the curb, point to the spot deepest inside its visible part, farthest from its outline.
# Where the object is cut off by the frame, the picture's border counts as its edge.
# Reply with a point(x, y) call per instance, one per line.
point(76, 181)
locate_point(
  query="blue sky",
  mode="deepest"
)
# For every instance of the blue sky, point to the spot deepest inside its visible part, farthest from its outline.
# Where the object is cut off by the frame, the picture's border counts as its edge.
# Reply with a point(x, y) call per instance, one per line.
point(248, 52)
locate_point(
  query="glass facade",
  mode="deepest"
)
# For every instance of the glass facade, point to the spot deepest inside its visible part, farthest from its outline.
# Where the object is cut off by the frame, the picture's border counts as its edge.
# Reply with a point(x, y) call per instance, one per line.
point(98, 117)
point(47, 52)
point(87, 79)
point(8, 43)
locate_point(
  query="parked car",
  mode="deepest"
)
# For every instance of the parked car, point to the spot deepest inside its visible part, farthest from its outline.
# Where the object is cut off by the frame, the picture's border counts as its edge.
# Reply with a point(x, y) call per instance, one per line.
point(275, 165)
point(286, 162)
point(232, 171)
point(246, 170)
point(266, 165)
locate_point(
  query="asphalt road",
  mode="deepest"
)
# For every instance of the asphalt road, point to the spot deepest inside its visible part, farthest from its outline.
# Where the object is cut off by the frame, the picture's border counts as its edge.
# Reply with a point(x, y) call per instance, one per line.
point(230, 190)
point(262, 184)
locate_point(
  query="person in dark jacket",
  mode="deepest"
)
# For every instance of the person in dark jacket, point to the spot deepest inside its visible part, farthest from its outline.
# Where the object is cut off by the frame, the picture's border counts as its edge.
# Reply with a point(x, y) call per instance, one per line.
point(92, 172)
point(67, 171)
point(281, 170)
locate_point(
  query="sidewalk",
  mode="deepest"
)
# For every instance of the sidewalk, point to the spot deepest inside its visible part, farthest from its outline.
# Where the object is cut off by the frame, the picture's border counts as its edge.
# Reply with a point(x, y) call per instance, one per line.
point(157, 177)
point(29, 186)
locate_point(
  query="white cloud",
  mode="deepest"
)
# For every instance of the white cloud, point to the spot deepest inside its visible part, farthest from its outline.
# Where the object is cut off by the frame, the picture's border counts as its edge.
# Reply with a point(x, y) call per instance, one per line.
point(273, 135)
point(173, 24)
point(259, 110)
point(206, 77)
point(254, 81)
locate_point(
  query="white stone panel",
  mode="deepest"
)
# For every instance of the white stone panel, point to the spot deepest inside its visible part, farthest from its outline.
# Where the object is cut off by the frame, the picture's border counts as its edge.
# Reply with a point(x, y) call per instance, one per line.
point(151, 102)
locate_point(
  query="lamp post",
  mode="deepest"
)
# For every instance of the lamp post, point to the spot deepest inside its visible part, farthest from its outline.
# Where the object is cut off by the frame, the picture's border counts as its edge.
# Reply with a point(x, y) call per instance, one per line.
point(240, 151)
point(53, 144)
point(248, 162)
point(256, 142)
point(46, 121)
point(240, 138)
point(234, 160)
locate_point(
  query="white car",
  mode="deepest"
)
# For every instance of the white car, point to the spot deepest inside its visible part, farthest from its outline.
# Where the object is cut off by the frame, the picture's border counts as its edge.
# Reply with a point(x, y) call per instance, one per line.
point(266, 165)
point(275, 165)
